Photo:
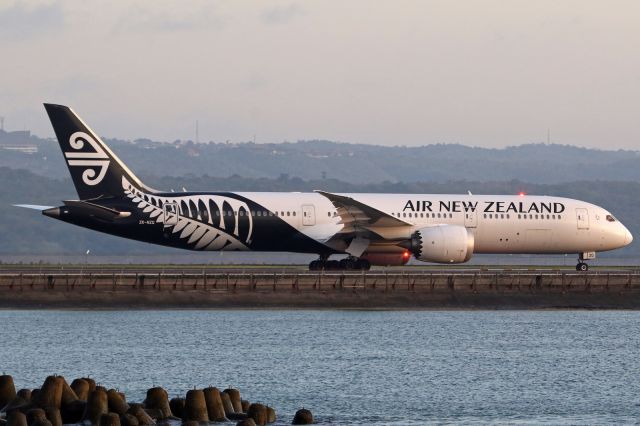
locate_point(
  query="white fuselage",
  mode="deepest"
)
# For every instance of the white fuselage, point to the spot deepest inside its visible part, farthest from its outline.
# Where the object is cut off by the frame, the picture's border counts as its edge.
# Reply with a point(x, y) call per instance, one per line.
point(499, 223)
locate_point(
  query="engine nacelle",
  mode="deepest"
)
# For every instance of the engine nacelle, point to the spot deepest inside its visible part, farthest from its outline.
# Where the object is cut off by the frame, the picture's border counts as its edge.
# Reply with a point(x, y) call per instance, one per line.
point(442, 244)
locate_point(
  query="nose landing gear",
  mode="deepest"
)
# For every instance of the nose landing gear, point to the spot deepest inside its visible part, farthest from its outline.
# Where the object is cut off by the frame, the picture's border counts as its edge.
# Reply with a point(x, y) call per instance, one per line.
point(582, 265)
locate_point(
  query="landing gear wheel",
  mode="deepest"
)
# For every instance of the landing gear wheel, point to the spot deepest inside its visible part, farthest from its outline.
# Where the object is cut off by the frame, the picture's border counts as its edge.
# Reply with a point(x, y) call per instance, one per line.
point(582, 267)
point(347, 263)
point(331, 265)
point(363, 264)
point(315, 265)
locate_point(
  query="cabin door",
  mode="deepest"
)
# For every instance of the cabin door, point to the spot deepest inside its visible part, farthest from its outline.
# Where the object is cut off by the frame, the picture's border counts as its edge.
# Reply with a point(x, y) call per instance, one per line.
point(308, 214)
point(470, 219)
point(170, 214)
point(582, 217)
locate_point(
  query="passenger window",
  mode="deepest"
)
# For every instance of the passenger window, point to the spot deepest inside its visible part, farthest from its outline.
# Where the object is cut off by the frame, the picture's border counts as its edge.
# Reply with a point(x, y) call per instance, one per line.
point(294, 213)
point(288, 213)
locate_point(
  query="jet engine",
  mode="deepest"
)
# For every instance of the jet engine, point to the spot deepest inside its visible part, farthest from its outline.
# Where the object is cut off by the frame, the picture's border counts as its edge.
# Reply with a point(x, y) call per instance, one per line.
point(442, 244)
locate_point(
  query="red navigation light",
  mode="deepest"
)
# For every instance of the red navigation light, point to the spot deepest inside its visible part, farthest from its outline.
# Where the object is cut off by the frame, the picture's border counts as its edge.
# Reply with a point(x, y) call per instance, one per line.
point(521, 194)
point(406, 254)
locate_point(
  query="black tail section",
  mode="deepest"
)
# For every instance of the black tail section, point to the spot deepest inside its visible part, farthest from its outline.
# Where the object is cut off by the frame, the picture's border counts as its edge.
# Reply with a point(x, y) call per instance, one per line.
point(95, 170)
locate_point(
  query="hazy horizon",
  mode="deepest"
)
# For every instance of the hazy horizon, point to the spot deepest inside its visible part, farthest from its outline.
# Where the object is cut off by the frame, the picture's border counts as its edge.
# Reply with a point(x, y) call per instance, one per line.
point(485, 74)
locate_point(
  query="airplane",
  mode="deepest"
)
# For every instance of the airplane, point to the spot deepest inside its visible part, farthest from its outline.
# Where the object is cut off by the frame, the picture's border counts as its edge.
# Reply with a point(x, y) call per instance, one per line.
point(365, 229)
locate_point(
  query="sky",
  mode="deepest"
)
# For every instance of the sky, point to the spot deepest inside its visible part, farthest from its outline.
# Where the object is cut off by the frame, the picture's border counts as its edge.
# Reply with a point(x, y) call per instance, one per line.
point(482, 73)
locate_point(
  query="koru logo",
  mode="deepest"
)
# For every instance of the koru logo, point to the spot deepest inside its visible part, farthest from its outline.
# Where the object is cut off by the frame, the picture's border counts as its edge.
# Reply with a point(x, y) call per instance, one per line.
point(95, 162)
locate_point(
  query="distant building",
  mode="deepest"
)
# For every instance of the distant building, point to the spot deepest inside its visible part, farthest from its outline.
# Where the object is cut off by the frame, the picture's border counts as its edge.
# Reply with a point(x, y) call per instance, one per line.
point(17, 141)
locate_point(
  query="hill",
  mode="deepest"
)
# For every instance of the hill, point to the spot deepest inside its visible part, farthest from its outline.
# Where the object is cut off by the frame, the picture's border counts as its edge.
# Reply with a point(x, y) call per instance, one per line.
point(358, 164)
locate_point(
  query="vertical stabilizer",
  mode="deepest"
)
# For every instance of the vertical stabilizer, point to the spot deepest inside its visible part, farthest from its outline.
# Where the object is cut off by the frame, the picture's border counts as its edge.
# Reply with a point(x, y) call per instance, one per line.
point(96, 171)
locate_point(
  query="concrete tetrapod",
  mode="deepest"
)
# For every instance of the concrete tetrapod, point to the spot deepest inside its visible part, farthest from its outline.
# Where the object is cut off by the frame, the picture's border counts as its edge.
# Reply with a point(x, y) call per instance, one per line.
point(258, 412)
point(24, 394)
point(16, 418)
point(271, 415)
point(177, 406)
point(35, 414)
point(81, 388)
point(69, 396)
point(17, 404)
point(97, 405)
point(215, 408)
point(7, 390)
point(245, 405)
point(116, 403)
point(54, 416)
point(73, 412)
point(129, 420)
point(302, 417)
point(226, 403)
point(158, 399)
point(234, 396)
point(138, 412)
point(110, 419)
point(91, 382)
point(50, 394)
point(195, 407)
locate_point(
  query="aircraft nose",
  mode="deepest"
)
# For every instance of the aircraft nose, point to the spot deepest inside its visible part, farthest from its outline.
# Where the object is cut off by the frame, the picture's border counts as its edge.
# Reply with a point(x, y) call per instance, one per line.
point(627, 237)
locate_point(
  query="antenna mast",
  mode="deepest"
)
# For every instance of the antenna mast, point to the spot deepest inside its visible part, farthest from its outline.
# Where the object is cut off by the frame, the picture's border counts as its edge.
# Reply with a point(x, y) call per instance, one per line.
point(2, 123)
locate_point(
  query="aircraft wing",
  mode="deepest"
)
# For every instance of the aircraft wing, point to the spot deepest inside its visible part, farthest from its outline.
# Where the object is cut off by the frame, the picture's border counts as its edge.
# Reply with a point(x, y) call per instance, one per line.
point(355, 215)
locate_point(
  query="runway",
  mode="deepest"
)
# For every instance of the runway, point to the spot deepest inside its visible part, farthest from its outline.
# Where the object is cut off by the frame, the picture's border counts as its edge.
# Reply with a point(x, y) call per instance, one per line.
point(289, 269)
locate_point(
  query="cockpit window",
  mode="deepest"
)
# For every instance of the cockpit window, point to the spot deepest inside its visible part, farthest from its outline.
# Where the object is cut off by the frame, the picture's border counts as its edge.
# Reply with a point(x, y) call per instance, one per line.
point(610, 218)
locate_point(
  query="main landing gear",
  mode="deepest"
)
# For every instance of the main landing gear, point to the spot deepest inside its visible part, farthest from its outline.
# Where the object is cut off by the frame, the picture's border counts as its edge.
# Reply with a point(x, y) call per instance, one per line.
point(346, 264)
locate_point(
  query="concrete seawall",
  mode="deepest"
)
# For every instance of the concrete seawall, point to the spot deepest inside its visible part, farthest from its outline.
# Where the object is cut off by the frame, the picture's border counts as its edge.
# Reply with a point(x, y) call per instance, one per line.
point(372, 290)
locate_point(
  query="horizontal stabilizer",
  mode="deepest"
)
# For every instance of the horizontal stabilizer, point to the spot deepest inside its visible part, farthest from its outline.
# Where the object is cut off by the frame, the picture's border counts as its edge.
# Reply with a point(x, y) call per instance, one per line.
point(32, 206)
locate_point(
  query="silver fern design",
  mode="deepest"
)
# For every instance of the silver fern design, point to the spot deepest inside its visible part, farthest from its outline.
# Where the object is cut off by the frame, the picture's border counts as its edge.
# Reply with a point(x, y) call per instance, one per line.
point(207, 222)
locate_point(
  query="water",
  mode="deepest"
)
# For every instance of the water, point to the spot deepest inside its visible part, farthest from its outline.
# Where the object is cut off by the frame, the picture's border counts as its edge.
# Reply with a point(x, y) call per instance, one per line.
point(351, 367)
